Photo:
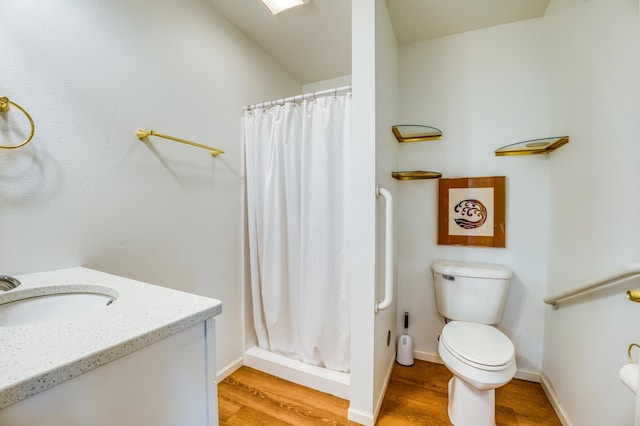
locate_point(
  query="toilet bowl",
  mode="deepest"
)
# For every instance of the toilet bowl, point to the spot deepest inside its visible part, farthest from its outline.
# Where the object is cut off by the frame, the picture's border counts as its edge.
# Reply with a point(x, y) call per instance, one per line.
point(481, 359)
point(471, 297)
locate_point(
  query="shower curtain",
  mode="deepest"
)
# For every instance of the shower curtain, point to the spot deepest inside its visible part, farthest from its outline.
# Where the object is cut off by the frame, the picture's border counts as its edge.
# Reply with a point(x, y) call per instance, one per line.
point(297, 158)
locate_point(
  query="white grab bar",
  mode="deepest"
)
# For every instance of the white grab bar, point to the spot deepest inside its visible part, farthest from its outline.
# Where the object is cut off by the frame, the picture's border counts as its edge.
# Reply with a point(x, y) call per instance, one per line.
point(628, 271)
point(388, 250)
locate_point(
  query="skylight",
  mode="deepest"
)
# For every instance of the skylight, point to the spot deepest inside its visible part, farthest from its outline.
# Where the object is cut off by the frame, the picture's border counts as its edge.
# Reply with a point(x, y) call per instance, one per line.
point(277, 6)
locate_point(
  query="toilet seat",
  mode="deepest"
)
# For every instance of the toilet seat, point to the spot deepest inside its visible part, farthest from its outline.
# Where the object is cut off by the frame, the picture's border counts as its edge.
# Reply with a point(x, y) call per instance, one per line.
point(478, 345)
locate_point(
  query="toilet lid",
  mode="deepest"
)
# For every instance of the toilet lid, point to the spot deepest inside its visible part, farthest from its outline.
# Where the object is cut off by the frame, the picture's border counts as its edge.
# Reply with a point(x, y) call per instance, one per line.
point(479, 344)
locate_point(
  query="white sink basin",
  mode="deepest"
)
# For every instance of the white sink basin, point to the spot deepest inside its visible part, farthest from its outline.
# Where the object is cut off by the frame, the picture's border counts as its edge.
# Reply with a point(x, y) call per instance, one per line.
point(58, 303)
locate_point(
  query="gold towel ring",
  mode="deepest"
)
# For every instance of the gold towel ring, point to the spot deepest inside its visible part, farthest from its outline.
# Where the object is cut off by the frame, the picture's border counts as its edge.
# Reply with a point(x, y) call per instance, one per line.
point(4, 106)
point(631, 346)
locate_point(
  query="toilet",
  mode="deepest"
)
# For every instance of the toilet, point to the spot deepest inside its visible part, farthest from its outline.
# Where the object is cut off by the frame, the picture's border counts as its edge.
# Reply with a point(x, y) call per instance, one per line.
point(471, 298)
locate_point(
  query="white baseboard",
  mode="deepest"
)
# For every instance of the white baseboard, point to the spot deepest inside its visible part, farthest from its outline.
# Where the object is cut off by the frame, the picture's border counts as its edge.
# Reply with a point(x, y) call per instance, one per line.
point(530, 376)
point(387, 378)
point(555, 402)
point(229, 369)
point(427, 356)
point(360, 417)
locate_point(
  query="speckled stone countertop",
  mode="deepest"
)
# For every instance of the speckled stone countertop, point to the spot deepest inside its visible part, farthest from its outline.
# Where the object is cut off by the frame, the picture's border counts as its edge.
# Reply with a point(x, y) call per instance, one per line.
point(39, 356)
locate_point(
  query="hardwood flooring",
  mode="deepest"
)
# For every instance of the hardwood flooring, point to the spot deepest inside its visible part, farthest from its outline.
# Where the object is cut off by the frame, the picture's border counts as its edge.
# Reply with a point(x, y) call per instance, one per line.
point(416, 395)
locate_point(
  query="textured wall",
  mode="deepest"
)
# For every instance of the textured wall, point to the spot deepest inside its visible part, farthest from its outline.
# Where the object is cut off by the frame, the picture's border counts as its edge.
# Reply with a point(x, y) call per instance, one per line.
point(86, 191)
point(484, 89)
point(595, 97)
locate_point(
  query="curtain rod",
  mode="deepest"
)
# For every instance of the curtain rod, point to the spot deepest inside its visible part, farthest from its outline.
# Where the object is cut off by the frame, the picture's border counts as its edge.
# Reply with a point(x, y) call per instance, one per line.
point(298, 98)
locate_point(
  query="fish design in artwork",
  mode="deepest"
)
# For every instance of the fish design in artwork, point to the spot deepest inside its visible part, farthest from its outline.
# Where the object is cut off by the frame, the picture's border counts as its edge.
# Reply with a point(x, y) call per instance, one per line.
point(473, 214)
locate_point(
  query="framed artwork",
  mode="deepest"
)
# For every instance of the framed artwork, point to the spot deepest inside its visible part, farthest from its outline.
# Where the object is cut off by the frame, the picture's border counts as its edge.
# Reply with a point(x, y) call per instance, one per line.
point(471, 211)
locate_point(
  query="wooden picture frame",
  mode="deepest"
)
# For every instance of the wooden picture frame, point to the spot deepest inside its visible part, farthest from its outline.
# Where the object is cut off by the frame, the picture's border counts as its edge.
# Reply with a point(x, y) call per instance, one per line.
point(472, 211)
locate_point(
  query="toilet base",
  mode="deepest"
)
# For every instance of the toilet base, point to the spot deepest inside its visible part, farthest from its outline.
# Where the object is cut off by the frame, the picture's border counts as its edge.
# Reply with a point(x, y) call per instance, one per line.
point(469, 406)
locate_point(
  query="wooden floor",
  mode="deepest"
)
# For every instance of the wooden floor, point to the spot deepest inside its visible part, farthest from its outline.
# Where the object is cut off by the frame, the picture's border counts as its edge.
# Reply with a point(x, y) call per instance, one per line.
point(416, 395)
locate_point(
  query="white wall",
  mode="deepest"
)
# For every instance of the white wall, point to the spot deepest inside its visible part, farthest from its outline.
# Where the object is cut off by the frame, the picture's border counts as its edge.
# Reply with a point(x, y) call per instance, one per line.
point(361, 239)
point(386, 81)
point(85, 191)
point(594, 90)
point(373, 154)
point(484, 89)
point(331, 83)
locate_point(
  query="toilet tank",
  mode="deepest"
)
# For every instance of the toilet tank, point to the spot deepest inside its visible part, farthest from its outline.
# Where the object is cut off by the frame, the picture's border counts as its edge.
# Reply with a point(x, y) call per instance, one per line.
point(474, 292)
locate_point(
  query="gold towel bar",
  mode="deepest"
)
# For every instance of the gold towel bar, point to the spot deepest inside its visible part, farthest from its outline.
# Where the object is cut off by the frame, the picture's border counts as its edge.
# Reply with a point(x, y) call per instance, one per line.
point(143, 134)
point(4, 106)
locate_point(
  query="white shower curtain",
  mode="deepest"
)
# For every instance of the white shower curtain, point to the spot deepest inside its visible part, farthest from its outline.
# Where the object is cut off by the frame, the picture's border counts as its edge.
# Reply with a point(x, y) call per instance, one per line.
point(297, 158)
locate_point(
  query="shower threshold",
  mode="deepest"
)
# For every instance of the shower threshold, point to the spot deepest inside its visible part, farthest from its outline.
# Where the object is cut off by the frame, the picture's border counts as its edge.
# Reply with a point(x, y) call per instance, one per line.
point(318, 378)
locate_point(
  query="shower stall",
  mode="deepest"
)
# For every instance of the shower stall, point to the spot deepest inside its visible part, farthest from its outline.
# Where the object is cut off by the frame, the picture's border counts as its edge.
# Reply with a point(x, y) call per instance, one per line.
point(367, 333)
point(297, 154)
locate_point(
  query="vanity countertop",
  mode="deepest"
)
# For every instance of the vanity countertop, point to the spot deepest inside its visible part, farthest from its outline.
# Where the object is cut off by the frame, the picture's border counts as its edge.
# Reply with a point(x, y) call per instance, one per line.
point(36, 357)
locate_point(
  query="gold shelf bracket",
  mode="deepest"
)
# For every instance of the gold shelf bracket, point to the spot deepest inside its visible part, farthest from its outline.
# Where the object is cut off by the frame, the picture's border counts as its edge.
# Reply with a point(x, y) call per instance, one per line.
point(536, 146)
point(415, 133)
point(415, 175)
point(144, 134)
point(4, 107)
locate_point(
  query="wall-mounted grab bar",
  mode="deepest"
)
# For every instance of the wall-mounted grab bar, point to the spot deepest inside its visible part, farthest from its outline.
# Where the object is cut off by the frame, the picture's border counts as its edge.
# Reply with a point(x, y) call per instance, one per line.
point(629, 271)
point(388, 250)
point(4, 106)
point(143, 134)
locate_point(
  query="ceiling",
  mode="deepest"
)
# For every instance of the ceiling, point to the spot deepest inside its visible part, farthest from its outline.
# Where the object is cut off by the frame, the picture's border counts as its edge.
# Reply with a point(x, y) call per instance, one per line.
point(313, 41)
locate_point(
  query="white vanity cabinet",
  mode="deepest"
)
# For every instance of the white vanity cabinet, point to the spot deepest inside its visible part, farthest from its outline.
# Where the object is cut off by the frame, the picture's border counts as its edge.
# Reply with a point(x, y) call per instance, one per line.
point(169, 383)
point(115, 373)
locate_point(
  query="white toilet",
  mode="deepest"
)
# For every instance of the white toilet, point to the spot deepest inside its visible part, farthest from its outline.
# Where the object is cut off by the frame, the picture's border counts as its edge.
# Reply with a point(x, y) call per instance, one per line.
point(471, 297)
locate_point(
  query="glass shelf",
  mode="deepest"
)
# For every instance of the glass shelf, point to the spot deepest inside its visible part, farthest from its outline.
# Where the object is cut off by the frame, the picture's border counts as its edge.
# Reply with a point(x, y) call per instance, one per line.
point(415, 133)
point(415, 175)
point(535, 146)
